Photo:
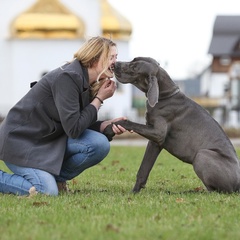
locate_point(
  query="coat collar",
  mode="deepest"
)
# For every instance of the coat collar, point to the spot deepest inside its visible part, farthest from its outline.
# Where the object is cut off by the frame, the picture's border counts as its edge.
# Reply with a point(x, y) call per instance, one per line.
point(85, 76)
point(77, 67)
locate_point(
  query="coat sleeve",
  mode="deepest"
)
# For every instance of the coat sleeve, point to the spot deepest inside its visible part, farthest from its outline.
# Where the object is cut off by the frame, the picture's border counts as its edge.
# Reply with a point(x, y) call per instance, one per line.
point(67, 94)
point(96, 126)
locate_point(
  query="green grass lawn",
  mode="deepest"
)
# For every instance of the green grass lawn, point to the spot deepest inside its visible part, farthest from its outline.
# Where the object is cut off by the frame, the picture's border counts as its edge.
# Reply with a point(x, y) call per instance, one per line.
point(172, 206)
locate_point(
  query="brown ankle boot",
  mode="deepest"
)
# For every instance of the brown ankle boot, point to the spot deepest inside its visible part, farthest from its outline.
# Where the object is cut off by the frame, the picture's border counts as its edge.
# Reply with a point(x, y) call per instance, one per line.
point(62, 187)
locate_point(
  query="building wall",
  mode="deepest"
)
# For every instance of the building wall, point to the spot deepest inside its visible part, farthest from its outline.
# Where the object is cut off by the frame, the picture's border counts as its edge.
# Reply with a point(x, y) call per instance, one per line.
point(24, 61)
point(223, 65)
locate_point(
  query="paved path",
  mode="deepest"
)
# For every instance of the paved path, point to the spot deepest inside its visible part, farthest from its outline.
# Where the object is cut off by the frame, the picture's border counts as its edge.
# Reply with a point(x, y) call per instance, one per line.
point(129, 142)
point(143, 142)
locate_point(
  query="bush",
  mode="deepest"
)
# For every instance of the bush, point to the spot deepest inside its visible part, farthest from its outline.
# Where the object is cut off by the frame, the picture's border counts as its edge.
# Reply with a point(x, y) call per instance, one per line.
point(232, 132)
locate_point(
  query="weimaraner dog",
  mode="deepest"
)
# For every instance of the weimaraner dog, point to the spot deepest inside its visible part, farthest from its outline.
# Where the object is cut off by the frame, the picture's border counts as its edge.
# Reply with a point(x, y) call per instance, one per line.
point(182, 127)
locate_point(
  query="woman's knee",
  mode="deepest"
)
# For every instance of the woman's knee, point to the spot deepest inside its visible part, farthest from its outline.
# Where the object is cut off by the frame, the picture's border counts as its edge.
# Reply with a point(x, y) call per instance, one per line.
point(101, 140)
point(101, 145)
point(44, 183)
point(91, 148)
point(49, 189)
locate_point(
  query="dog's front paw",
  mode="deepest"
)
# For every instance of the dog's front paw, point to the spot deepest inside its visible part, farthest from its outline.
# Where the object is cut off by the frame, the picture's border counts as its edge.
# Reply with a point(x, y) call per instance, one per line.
point(137, 188)
point(108, 132)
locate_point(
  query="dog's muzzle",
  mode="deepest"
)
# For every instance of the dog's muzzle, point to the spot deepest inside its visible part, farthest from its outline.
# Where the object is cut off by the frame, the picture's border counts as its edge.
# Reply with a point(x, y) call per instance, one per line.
point(117, 70)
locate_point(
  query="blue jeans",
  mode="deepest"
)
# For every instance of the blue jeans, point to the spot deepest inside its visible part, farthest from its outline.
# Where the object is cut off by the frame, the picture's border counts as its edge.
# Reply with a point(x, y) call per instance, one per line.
point(81, 153)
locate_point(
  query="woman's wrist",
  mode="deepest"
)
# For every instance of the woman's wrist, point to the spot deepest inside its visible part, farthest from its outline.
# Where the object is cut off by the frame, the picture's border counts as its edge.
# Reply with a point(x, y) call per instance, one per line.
point(99, 99)
point(104, 124)
point(97, 102)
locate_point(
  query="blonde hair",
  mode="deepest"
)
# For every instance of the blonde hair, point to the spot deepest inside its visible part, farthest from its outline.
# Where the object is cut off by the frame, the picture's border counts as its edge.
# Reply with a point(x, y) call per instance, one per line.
point(90, 53)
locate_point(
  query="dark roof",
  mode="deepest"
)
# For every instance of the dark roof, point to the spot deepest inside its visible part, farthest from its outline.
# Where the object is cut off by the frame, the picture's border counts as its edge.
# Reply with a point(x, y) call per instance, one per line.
point(226, 36)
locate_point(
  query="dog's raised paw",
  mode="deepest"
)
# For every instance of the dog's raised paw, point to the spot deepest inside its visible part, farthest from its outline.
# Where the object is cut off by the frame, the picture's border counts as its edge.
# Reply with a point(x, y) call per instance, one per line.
point(108, 132)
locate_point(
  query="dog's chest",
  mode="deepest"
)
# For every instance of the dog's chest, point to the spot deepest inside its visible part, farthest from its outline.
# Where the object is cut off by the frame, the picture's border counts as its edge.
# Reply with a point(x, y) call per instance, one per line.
point(150, 116)
point(158, 113)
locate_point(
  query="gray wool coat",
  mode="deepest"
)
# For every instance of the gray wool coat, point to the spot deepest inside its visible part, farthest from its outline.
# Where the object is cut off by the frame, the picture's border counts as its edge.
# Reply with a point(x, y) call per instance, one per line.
point(35, 131)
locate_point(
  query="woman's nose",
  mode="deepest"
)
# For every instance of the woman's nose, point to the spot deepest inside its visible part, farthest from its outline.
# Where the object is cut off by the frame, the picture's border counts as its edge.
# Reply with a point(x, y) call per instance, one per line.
point(115, 59)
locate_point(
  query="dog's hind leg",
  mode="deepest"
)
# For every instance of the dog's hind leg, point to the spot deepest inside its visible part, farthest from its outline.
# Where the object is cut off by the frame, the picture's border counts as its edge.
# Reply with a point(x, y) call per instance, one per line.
point(150, 156)
point(216, 172)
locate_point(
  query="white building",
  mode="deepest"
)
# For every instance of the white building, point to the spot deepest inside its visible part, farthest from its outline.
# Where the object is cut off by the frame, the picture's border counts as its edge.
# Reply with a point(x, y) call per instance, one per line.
point(39, 35)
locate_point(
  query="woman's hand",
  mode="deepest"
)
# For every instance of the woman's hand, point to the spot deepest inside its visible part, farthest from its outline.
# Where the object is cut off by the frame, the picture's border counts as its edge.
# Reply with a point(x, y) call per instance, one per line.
point(117, 129)
point(107, 89)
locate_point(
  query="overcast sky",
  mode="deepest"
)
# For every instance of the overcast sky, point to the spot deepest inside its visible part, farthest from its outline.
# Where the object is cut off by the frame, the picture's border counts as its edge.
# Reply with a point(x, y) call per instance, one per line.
point(177, 33)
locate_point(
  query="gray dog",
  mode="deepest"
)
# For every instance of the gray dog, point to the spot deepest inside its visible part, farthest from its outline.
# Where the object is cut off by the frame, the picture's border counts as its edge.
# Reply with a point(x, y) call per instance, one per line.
point(179, 125)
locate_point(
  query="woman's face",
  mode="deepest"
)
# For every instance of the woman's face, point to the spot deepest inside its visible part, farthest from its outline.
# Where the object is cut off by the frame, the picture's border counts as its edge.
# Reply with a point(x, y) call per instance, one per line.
point(111, 61)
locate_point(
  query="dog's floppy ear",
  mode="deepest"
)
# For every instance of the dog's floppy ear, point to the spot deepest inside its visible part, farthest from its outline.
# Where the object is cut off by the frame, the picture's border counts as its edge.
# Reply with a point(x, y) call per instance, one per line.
point(153, 91)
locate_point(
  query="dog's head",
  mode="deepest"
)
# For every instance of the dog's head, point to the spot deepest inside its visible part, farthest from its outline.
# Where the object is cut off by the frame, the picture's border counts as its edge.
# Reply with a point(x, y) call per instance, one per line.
point(141, 72)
